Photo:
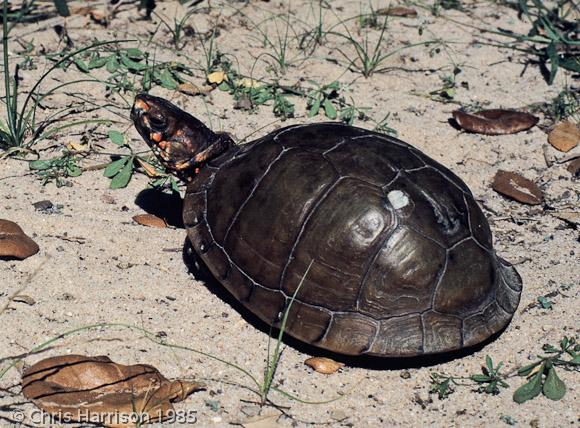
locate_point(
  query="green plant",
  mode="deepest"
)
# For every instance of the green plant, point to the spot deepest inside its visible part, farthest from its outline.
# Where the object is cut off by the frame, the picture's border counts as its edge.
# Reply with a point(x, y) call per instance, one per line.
point(315, 36)
point(122, 169)
point(20, 131)
point(449, 89)
point(541, 375)
point(491, 380)
point(277, 45)
point(369, 57)
point(566, 105)
point(126, 64)
point(552, 29)
point(179, 28)
point(383, 127)
point(57, 169)
point(323, 97)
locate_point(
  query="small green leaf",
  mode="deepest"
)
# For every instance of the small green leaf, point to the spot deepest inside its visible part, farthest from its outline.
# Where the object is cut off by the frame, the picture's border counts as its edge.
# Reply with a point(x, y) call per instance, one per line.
point(117, 138)
point(132, 65)
point(329, 109)
point(124, 176)
point(114, 167)
point(526, 370)
point(530, 389)
point(40, 165)
point(314, 108)
point(112, 64)
point(488, 363)
point(575, 360)
point(97, 62)
point(146, 80)
point(552, 53)
point(545, 303)
point(571, 64)
point(480, 378)
point(82, 66)
point(554, 388)
point(134, 53)
point(224, 86)
point(73, 170)
point(167, 80)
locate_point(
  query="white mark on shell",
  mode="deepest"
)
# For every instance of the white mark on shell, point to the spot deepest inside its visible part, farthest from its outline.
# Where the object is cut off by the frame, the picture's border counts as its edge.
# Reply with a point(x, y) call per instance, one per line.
point(398, 199)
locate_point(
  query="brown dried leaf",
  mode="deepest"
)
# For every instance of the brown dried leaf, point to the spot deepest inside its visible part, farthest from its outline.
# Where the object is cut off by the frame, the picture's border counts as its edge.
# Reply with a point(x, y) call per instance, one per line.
point(495, 121)
point(405, 12)
point(149, 169)
point(323, 365)
point(191, 89)
point(79, 386)
point(517, 187)
point(14, 243)
point(150, 220)
point(565, 136)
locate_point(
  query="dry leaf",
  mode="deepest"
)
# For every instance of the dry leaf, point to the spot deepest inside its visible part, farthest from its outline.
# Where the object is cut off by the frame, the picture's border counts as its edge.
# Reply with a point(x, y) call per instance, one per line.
point(405, 12)
point(565, 136)
point(191, 89)
point(323, 365)
point(495, 121)
point(112, 394)
point(517, 187)
point(217, 77)
point(149, 169)
point(572, 217)
point(150, 220)
point(14, 243)
point(77, 147)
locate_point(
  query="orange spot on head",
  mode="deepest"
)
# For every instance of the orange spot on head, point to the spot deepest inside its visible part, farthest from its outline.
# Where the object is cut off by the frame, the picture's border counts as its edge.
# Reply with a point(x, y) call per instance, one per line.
point(141, 105)
point(156, 136)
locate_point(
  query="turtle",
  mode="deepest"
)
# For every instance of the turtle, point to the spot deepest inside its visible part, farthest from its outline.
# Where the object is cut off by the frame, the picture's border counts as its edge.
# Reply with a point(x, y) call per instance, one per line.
point(362, 243)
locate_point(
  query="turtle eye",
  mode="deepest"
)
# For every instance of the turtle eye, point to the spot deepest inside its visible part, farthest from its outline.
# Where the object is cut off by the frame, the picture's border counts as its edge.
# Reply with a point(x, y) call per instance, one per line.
point(157, 123)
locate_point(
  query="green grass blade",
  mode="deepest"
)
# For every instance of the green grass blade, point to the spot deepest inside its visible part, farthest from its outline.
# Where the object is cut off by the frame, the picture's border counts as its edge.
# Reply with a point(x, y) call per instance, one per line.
point(62, 7)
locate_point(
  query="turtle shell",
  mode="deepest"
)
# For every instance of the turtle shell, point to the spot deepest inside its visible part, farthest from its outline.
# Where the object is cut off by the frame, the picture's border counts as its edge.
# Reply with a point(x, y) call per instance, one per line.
point(399, 255)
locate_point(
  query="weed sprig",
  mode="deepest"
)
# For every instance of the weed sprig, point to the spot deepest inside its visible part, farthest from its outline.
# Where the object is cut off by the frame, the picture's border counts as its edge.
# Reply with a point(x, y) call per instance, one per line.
point(541, 375)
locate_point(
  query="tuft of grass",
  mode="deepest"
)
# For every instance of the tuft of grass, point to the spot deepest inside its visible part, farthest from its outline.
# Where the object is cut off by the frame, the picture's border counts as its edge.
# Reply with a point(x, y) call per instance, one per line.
point(541, 375)
point(369, 57)
point(179, 29)
point(20, 130)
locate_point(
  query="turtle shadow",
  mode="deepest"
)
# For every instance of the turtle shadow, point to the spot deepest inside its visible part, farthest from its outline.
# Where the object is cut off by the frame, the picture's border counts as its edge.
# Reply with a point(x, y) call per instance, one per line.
point(201, 272)
point(168, 206)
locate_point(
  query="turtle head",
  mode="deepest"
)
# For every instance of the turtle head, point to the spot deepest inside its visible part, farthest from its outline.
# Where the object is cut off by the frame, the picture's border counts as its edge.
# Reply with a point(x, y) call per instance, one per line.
point(180, 141)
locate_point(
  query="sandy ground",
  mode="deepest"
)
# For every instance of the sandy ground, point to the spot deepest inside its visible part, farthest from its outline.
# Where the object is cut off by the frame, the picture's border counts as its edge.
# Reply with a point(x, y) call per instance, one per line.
point(96, 265)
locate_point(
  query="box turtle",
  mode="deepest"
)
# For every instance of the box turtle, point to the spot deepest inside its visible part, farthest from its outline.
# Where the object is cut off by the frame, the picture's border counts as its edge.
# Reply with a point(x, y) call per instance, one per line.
point(400, 254)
